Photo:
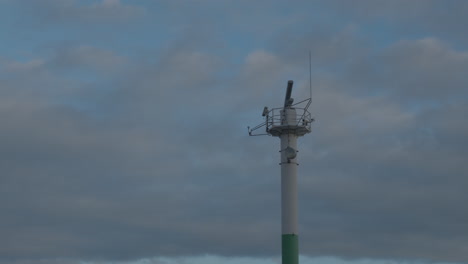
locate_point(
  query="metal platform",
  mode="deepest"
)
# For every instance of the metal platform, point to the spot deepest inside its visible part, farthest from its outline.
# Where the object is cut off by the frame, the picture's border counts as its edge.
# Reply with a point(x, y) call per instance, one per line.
point(277, 123)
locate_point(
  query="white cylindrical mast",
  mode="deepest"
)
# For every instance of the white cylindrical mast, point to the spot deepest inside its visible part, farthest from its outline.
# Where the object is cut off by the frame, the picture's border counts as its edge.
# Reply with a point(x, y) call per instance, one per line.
point(289, 229)
point(291, 123)
point(288, 186)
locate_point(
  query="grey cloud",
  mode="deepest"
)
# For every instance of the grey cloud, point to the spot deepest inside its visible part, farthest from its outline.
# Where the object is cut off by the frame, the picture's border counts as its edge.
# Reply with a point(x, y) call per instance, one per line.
point(427, 78)
point(423, 18)
point(393, 174)
point(328, 47)
point(408, 70)
point(41, 87)
point(70, 197)
point(72, 11)
point(67, 58)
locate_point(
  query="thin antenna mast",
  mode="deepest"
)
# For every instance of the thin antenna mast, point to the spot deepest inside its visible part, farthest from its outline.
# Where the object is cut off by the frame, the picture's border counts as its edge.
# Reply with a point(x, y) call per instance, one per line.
point(310, 74)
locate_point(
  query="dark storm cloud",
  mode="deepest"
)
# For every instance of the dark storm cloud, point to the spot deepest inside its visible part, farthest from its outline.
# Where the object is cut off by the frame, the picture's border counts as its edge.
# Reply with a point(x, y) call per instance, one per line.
point(155, 160)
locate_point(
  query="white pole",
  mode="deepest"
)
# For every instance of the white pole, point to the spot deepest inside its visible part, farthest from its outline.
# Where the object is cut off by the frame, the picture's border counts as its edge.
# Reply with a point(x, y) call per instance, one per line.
point(289, 228)
point(288, 186)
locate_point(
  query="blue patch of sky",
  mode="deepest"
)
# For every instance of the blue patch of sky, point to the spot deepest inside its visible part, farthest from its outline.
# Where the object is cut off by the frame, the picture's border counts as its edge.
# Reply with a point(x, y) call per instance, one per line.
point(14, 42)
point(23, 35)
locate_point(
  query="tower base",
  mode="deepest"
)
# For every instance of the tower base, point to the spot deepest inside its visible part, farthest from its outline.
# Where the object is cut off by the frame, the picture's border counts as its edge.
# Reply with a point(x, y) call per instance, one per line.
point(289, 249)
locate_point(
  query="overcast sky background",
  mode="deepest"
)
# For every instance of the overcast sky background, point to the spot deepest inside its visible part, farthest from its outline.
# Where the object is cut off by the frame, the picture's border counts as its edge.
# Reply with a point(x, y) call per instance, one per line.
point(123, 130)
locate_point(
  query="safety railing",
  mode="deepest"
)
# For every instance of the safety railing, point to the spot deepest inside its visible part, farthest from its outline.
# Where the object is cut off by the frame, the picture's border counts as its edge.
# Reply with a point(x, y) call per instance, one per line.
point(275, 121)
point(276, 117)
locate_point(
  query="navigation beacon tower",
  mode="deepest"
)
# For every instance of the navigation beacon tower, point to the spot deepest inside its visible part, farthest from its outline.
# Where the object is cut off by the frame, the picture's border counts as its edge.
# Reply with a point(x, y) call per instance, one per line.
point(288, 123)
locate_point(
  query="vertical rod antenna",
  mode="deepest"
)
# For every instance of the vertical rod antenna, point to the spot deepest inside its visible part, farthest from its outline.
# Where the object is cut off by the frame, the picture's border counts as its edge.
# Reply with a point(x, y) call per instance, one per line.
point(310, 74)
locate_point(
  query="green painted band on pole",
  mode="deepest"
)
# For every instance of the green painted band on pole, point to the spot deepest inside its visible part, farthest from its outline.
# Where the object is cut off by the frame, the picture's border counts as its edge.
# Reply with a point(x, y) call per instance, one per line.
point(290, 249)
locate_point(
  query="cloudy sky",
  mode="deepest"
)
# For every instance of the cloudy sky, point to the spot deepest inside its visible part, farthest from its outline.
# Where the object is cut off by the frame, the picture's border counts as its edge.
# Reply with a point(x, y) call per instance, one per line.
point(123, 130)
